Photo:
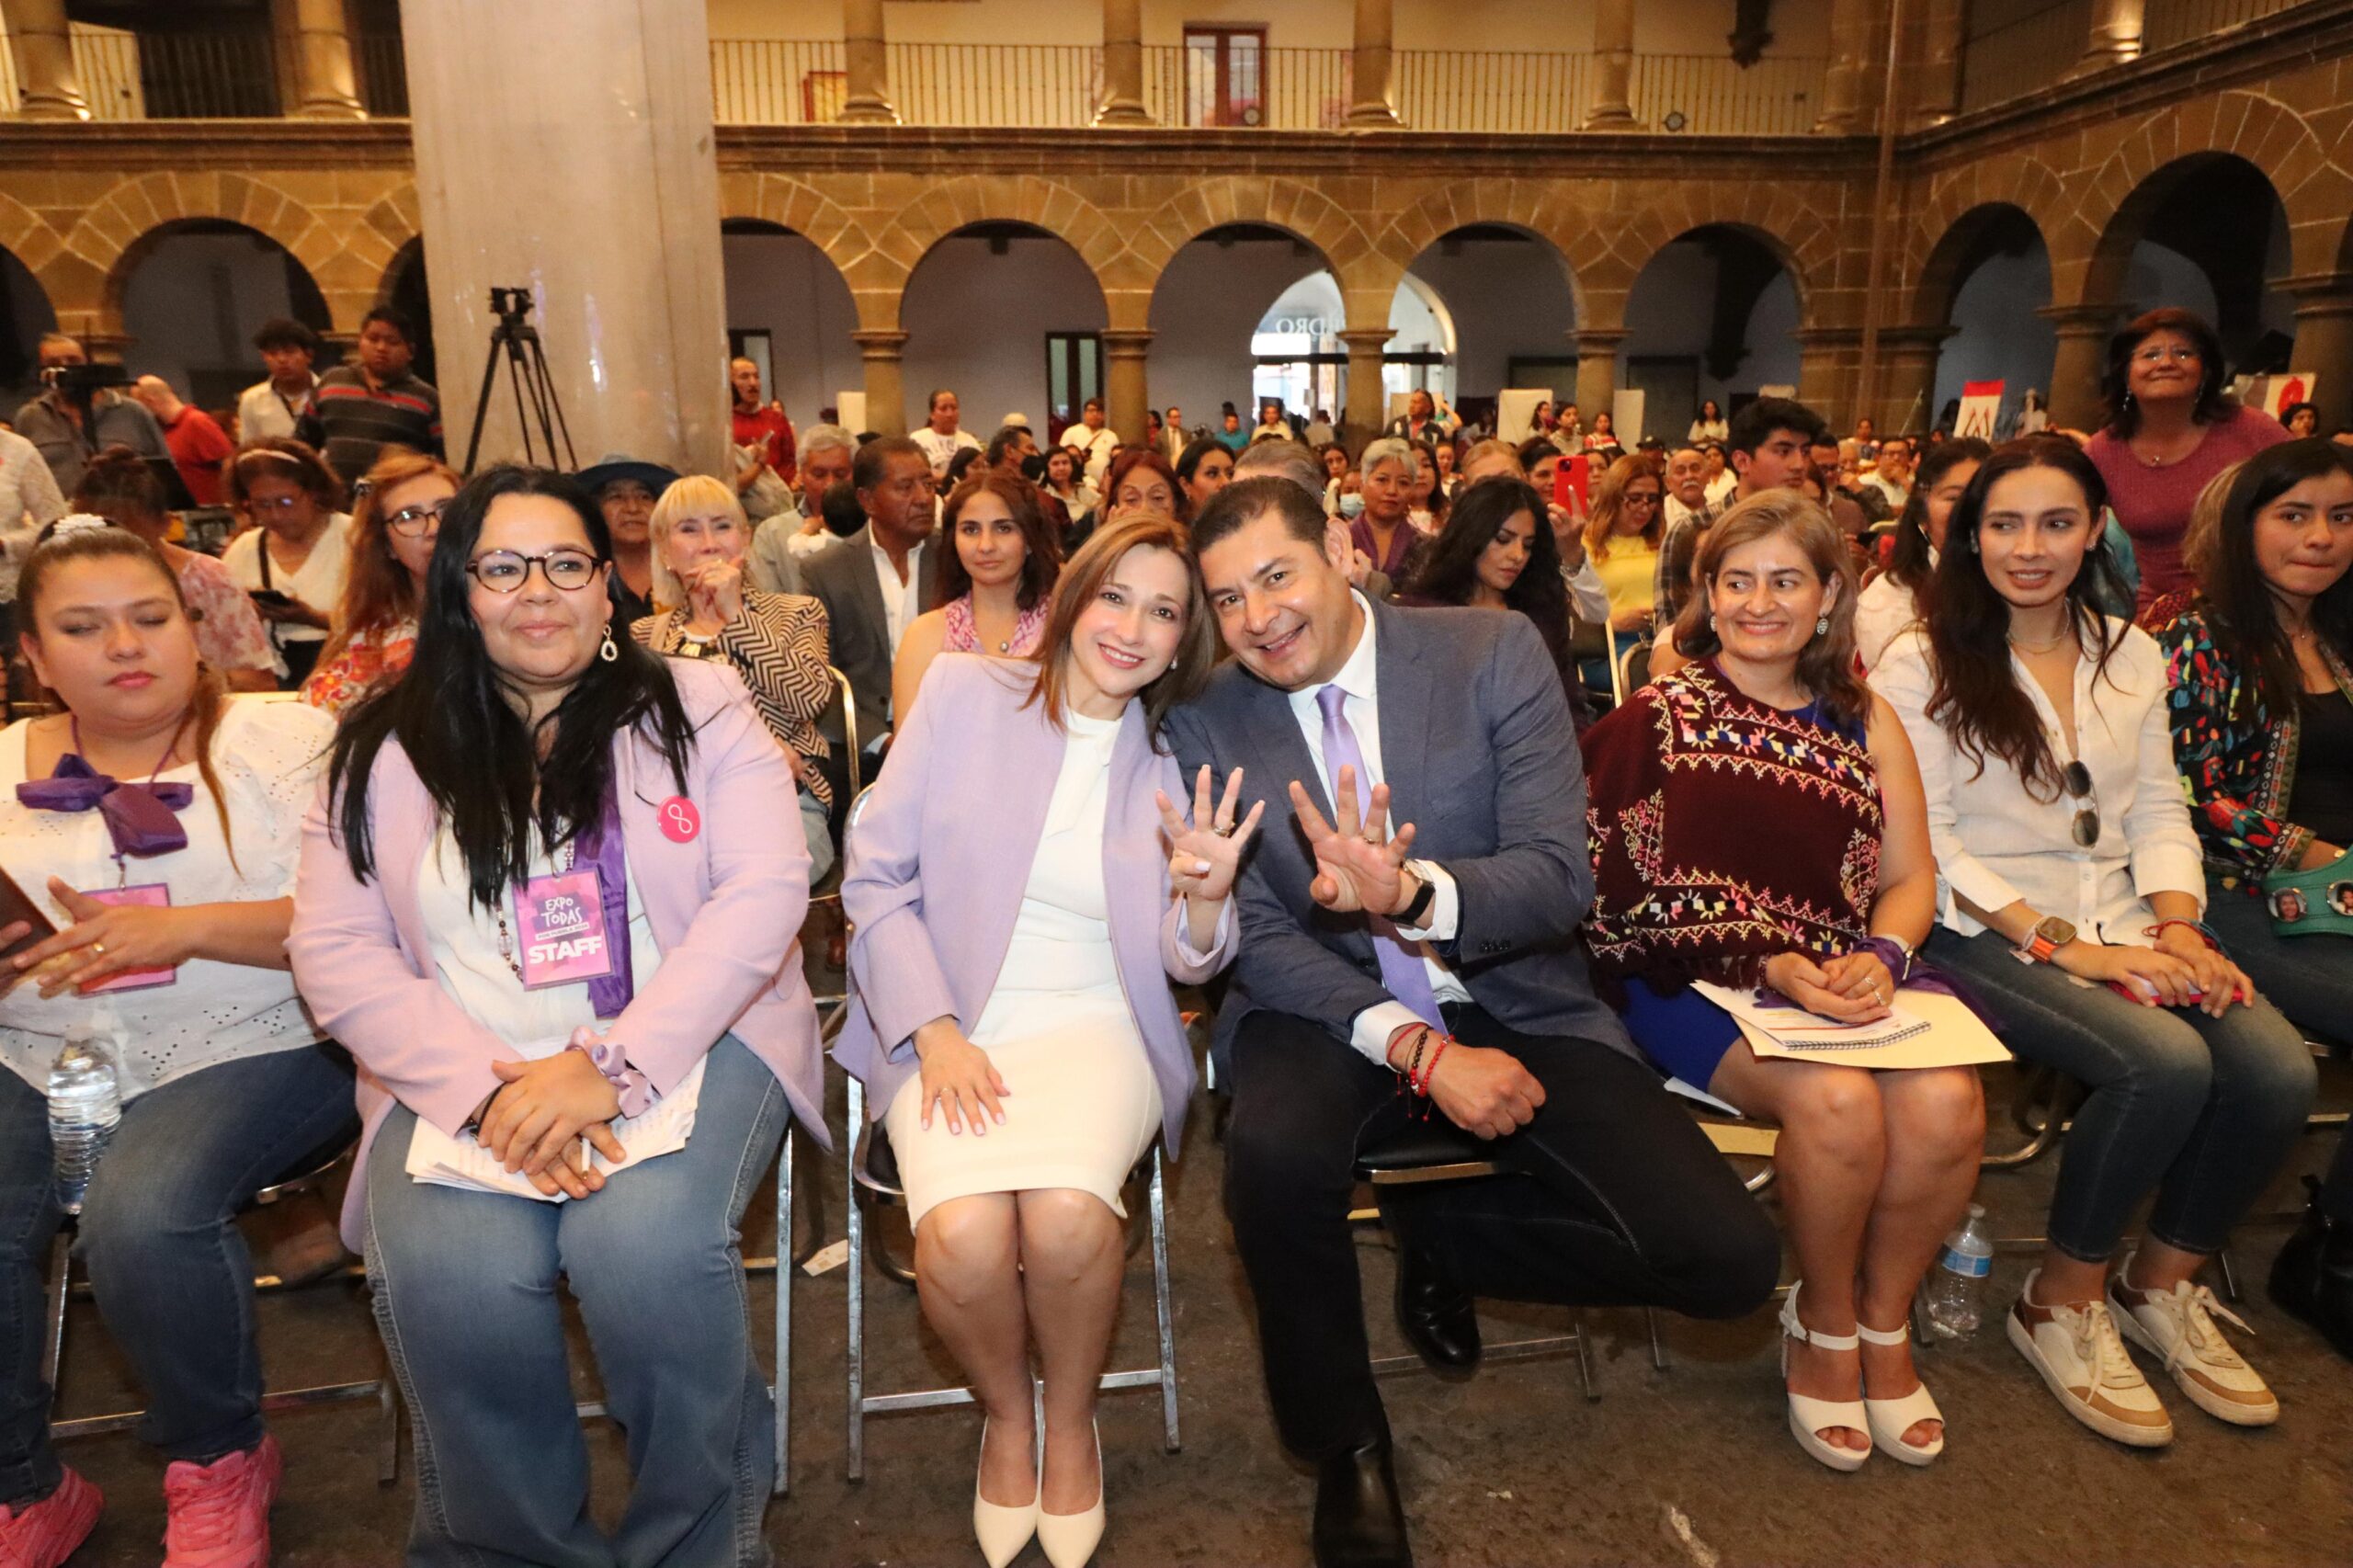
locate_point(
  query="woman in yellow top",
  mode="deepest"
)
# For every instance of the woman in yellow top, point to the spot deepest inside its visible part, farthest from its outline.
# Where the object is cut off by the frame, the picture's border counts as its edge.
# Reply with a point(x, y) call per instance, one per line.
point(1622, 537)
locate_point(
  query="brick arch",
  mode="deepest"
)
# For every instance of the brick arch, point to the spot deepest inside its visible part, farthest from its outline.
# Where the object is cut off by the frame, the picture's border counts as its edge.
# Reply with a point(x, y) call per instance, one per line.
point(1786, 221)
point(121, 227)
point(2102, 278)
point(1547, 213)
point(2029, 184)
point(798, 206)
point(1938, 272)
point(882, 275)
point(1367, 277)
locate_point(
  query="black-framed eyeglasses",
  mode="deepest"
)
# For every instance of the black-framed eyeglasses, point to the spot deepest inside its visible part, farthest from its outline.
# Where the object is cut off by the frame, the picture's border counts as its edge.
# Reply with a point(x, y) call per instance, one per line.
point(415, 522)
point(2078, 780)
point(506, 571)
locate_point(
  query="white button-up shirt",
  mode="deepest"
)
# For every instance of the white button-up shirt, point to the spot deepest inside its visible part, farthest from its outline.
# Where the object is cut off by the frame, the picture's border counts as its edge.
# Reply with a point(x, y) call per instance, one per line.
point(1996, 844)
point(902, 602)
point(1359, 679)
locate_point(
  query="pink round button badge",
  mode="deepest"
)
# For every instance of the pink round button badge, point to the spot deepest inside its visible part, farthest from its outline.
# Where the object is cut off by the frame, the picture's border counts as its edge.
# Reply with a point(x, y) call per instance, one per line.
point(680, 820)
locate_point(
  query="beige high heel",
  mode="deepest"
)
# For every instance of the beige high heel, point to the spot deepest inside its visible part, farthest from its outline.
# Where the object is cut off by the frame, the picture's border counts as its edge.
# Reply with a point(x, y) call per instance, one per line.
point(1891, 1418)
point(1071, 1539)
point(1001, 1531)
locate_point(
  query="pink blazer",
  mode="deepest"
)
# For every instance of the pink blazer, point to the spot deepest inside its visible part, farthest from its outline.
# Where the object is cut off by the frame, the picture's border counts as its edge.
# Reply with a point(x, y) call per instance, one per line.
point(726, 907)
point(940, 855)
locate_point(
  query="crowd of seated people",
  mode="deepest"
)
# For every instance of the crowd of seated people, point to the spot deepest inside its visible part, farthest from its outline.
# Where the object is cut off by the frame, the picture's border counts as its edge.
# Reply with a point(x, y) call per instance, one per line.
point(516, 891)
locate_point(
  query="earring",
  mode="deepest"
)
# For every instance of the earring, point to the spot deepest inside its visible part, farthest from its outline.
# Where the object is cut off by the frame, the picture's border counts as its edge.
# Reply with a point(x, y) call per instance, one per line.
point(608, 653)
point(1822, 627)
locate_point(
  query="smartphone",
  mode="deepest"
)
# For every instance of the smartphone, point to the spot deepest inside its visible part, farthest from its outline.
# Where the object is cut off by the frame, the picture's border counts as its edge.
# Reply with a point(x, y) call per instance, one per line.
point(271, 597)
point(1572, 481)
point(2139, 990)
point(14, 905)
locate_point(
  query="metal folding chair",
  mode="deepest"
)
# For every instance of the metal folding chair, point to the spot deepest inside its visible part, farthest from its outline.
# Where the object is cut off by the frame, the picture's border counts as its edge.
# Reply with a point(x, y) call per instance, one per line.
point(309, 1175)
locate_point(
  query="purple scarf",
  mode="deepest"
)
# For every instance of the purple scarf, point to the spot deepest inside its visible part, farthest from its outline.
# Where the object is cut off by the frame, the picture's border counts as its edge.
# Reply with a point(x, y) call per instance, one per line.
point(138, 816)
point(599, 847)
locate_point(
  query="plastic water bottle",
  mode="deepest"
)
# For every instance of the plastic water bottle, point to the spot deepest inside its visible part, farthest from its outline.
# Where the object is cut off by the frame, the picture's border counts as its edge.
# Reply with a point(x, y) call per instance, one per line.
point(84, 1105)
point(1956, 1288)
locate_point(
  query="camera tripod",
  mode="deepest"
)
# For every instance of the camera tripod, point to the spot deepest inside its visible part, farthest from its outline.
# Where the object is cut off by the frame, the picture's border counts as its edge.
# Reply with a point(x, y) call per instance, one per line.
point(527, 373)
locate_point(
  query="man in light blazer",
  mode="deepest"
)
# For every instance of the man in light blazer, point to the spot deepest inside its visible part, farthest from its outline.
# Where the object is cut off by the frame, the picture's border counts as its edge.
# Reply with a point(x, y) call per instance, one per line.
point(1451, 945)
point(902, 544)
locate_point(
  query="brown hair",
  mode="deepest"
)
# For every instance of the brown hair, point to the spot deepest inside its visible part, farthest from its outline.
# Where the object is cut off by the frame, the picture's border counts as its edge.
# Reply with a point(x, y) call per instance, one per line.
point(1135, 458)
point(1084, 577)
point(1609, 496)
point(2212, 402)
point(286, 458)
point(378, 591)
point(1827, 665)
point(119, 476)
point(1042, 559)
point(110, 543)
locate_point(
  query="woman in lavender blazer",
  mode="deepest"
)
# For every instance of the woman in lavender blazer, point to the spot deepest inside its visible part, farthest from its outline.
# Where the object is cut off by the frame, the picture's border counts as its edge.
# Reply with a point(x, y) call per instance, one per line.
point(1020, 888)
point(550, 902)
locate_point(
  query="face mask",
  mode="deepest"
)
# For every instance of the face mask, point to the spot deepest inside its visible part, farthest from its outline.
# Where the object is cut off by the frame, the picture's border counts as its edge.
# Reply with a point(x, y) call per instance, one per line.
point(1351, 505)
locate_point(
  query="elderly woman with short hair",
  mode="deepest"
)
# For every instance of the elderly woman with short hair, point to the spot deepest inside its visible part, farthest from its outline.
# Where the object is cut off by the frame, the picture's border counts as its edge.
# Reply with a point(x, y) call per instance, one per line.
point(1384, 530)
point(777, 643)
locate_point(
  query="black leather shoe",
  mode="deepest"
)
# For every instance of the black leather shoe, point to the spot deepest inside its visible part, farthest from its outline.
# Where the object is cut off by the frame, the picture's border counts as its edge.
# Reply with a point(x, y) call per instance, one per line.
point(1440, 1321)
point(2311, 1280)
point(1359, 1523)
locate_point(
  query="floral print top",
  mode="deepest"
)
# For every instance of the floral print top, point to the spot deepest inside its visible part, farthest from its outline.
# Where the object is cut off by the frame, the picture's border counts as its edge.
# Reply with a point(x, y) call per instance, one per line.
point(370, 656)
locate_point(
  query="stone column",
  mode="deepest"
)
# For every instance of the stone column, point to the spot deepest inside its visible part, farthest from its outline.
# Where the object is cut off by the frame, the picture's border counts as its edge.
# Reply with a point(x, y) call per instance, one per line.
point(1935, 92)
point(1127, 401)
point(1375, 98)
point(2076, 370)
point(618, 99)
point(886, 399)
point(1122, 66)
point(326, 86)
point(2324, 342)
point(1597, 370)
point(1366, 408)
point(1849, 87)
point(1613, 66)
point(1907, 378)
point(2116, 34)
point(868, 101)
point(1829, 367)
point(48, 84)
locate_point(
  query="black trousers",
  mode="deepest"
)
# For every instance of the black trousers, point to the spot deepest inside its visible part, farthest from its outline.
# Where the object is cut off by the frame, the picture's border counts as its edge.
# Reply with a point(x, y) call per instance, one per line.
point(1617, 1200)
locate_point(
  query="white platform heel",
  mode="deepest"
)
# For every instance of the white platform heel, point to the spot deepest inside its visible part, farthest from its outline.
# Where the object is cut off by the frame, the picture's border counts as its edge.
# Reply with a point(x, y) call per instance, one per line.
point(1001, 1531)
point(1891, 1418)
point(1810, 1416)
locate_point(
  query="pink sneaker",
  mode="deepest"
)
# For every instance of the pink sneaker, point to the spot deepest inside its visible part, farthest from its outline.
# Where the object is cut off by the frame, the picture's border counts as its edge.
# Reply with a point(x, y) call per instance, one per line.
point(44, 1534)
point(219, 1513)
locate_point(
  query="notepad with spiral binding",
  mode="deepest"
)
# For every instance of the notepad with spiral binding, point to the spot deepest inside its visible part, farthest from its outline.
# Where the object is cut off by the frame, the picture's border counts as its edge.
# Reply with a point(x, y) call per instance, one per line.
point(1924, 1029)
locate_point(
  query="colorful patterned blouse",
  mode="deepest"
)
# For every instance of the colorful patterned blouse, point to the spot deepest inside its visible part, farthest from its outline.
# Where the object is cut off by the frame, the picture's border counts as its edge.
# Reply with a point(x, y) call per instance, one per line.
point(962, 635)
point(2237, 758)
point(1724, 831)
point(370, 656)
point(229, 633)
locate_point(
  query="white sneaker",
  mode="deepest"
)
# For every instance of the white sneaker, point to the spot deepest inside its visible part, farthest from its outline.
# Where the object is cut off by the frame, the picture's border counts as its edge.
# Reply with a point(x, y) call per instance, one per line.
point(2177, 1326)
point(2083, 1363)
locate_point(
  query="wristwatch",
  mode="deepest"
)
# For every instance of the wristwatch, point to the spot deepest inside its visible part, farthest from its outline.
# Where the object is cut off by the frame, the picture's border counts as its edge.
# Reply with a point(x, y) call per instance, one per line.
point(2049, 935)
point(1414, 912)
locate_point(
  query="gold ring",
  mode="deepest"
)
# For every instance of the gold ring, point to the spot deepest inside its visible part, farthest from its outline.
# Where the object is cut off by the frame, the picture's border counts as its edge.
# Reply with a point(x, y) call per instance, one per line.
point(1224, 830)
point(99, 949)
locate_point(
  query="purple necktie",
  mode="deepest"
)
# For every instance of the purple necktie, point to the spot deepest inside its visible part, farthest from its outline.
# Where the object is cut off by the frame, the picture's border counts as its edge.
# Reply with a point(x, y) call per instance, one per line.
point(1403, 969)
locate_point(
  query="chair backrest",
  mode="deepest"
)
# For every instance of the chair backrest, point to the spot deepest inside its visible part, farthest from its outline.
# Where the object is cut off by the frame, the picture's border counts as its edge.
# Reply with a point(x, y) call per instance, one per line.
point(1633, 671)
point(843, 710)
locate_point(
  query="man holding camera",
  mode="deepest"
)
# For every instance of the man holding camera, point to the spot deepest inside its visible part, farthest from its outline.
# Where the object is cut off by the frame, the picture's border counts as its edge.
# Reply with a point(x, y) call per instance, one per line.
point(79, 411)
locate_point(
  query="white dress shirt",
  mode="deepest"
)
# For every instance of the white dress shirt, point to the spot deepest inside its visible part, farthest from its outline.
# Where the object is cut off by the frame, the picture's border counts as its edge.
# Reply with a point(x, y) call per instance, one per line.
point(263, 410)
point(1996, 844)
point(1884, 611)
point(1095, 447)
point(1359, 679)
point(902, 602)
point(1588, 600)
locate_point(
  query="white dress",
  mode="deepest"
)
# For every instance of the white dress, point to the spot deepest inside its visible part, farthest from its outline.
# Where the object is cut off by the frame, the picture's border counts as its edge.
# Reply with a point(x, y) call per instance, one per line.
point(1084, 1104)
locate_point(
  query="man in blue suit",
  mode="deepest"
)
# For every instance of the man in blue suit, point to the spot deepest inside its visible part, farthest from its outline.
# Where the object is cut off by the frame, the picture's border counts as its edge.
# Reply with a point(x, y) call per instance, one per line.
point(1409, 942)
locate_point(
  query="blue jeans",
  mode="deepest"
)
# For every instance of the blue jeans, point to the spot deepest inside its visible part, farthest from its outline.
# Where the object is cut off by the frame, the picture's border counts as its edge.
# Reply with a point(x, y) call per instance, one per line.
point(167, 1264)
point(2202, 1109)
point(2308, 978)
point(466, 1299)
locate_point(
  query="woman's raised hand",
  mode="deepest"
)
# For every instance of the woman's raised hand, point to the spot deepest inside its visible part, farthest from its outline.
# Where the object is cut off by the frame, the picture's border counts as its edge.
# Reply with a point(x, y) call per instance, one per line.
point(1204, 857)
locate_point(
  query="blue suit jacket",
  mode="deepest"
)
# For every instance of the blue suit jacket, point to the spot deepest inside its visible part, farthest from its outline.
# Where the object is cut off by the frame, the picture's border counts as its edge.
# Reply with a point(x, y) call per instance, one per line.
point(1480, 756)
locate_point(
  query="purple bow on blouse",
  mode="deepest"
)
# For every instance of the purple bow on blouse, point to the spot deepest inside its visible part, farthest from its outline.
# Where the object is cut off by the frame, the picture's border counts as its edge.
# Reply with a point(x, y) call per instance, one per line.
point(599, 847)
point(138, 816)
